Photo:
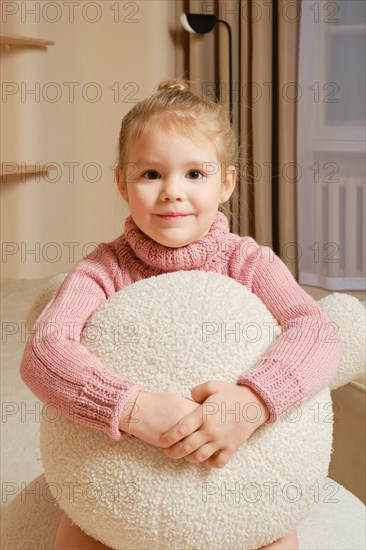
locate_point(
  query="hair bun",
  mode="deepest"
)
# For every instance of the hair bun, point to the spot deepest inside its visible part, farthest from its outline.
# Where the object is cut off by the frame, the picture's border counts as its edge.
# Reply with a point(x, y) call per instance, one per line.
point(181, 85)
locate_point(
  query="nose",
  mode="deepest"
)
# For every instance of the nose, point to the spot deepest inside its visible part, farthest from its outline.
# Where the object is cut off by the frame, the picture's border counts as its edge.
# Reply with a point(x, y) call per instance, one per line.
point(172, 190)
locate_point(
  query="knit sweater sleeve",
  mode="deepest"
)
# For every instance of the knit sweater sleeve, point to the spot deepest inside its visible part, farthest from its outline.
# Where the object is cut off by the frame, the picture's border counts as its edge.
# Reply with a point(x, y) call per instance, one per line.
point(305, 357)
point(59, 369)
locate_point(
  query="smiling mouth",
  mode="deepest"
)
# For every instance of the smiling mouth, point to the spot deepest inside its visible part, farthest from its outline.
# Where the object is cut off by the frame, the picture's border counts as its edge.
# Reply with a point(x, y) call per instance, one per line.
point(172, 216)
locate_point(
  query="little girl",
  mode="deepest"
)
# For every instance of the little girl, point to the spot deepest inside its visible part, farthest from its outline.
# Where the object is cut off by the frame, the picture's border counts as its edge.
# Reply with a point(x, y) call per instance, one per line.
point(177, 156)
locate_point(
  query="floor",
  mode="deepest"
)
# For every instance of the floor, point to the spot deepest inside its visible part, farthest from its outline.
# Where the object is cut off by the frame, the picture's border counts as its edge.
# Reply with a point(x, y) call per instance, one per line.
point(20, 408)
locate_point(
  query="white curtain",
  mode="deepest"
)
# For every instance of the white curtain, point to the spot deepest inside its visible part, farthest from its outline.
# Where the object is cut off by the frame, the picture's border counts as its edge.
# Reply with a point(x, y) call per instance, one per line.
point(331, 145)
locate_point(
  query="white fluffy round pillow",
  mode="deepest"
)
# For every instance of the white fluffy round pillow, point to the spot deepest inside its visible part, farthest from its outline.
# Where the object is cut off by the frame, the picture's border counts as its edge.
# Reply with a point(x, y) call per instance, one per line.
point(171, 333)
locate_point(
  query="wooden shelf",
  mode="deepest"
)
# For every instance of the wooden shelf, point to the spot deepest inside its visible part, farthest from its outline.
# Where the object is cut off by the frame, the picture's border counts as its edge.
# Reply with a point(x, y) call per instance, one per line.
point(16, 40)
point(21, 168)
point(16, 170)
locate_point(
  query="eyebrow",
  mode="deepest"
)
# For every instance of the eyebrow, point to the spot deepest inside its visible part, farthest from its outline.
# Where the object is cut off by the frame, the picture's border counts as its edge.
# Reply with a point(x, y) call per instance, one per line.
point(189, 163)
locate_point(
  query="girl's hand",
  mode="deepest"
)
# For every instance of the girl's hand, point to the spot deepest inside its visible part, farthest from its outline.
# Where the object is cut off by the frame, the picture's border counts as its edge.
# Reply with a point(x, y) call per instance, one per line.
point(154, 414)
point(228, 416)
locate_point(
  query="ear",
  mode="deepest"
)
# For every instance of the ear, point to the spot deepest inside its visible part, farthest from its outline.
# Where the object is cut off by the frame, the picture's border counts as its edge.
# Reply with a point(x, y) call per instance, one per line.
point(122, 187)
point(228, 183)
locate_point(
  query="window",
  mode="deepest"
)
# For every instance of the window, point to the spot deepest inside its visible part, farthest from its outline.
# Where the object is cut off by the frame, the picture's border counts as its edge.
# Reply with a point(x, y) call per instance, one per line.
point(331, 145)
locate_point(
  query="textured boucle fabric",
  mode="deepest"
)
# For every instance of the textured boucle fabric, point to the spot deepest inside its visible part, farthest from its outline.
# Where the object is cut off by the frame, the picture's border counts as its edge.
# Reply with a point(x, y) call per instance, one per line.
point(348, 322)
point(336, 521)
point(127, 493)
point(61, 371)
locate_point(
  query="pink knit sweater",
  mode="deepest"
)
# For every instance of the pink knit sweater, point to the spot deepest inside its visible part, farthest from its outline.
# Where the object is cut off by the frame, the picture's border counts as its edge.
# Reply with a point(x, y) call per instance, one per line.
point(62, 373)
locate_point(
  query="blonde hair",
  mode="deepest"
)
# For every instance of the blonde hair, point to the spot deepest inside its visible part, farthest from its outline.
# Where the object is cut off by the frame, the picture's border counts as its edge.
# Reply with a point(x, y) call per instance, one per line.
point(176, 107)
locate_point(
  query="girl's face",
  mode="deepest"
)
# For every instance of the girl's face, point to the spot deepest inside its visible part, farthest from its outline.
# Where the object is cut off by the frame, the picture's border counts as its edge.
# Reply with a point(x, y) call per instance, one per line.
point(174, 187)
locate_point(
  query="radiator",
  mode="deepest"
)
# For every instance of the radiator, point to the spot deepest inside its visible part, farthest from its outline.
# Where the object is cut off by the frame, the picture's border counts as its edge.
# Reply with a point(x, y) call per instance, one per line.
point(339, 246)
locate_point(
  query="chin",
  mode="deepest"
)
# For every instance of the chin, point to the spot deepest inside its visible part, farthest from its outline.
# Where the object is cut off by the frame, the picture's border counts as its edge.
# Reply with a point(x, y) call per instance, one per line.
point(184, 242)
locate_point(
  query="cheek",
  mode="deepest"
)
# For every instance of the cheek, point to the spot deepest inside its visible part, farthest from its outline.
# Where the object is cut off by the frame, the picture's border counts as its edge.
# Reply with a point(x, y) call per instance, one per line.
point(209, 197)
point(140, 198)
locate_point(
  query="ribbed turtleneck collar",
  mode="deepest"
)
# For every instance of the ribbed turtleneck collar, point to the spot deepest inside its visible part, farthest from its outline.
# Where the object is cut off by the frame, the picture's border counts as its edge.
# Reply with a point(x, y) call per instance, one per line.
point(191, 256)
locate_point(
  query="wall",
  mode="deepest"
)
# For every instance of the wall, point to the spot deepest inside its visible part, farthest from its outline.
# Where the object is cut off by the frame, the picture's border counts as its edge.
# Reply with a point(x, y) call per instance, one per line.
point(107, 55)
point(348, 465)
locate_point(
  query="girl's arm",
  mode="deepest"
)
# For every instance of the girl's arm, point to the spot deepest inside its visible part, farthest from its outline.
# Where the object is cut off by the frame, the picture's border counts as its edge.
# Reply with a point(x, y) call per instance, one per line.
point(307, 354)
point(59, 369)
point(299, 364)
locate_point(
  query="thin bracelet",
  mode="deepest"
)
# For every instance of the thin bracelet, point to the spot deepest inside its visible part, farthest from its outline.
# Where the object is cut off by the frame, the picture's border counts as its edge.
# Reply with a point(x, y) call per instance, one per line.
point(131, 415)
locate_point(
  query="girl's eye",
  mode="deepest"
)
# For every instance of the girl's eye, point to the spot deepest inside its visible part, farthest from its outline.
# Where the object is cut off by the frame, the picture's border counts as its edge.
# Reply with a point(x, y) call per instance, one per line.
point(151, 175)
point(194, 175)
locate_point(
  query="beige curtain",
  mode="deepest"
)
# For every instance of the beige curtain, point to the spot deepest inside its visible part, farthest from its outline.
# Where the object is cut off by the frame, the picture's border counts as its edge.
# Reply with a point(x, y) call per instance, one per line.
point(265, 53)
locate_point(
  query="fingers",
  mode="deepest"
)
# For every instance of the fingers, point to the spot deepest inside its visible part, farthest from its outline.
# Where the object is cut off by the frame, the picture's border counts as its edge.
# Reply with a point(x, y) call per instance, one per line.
point(202, 454)
point(188, 446)
point(186, 426)
point(216, 458)
point(220, 459)
point(201, 392)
